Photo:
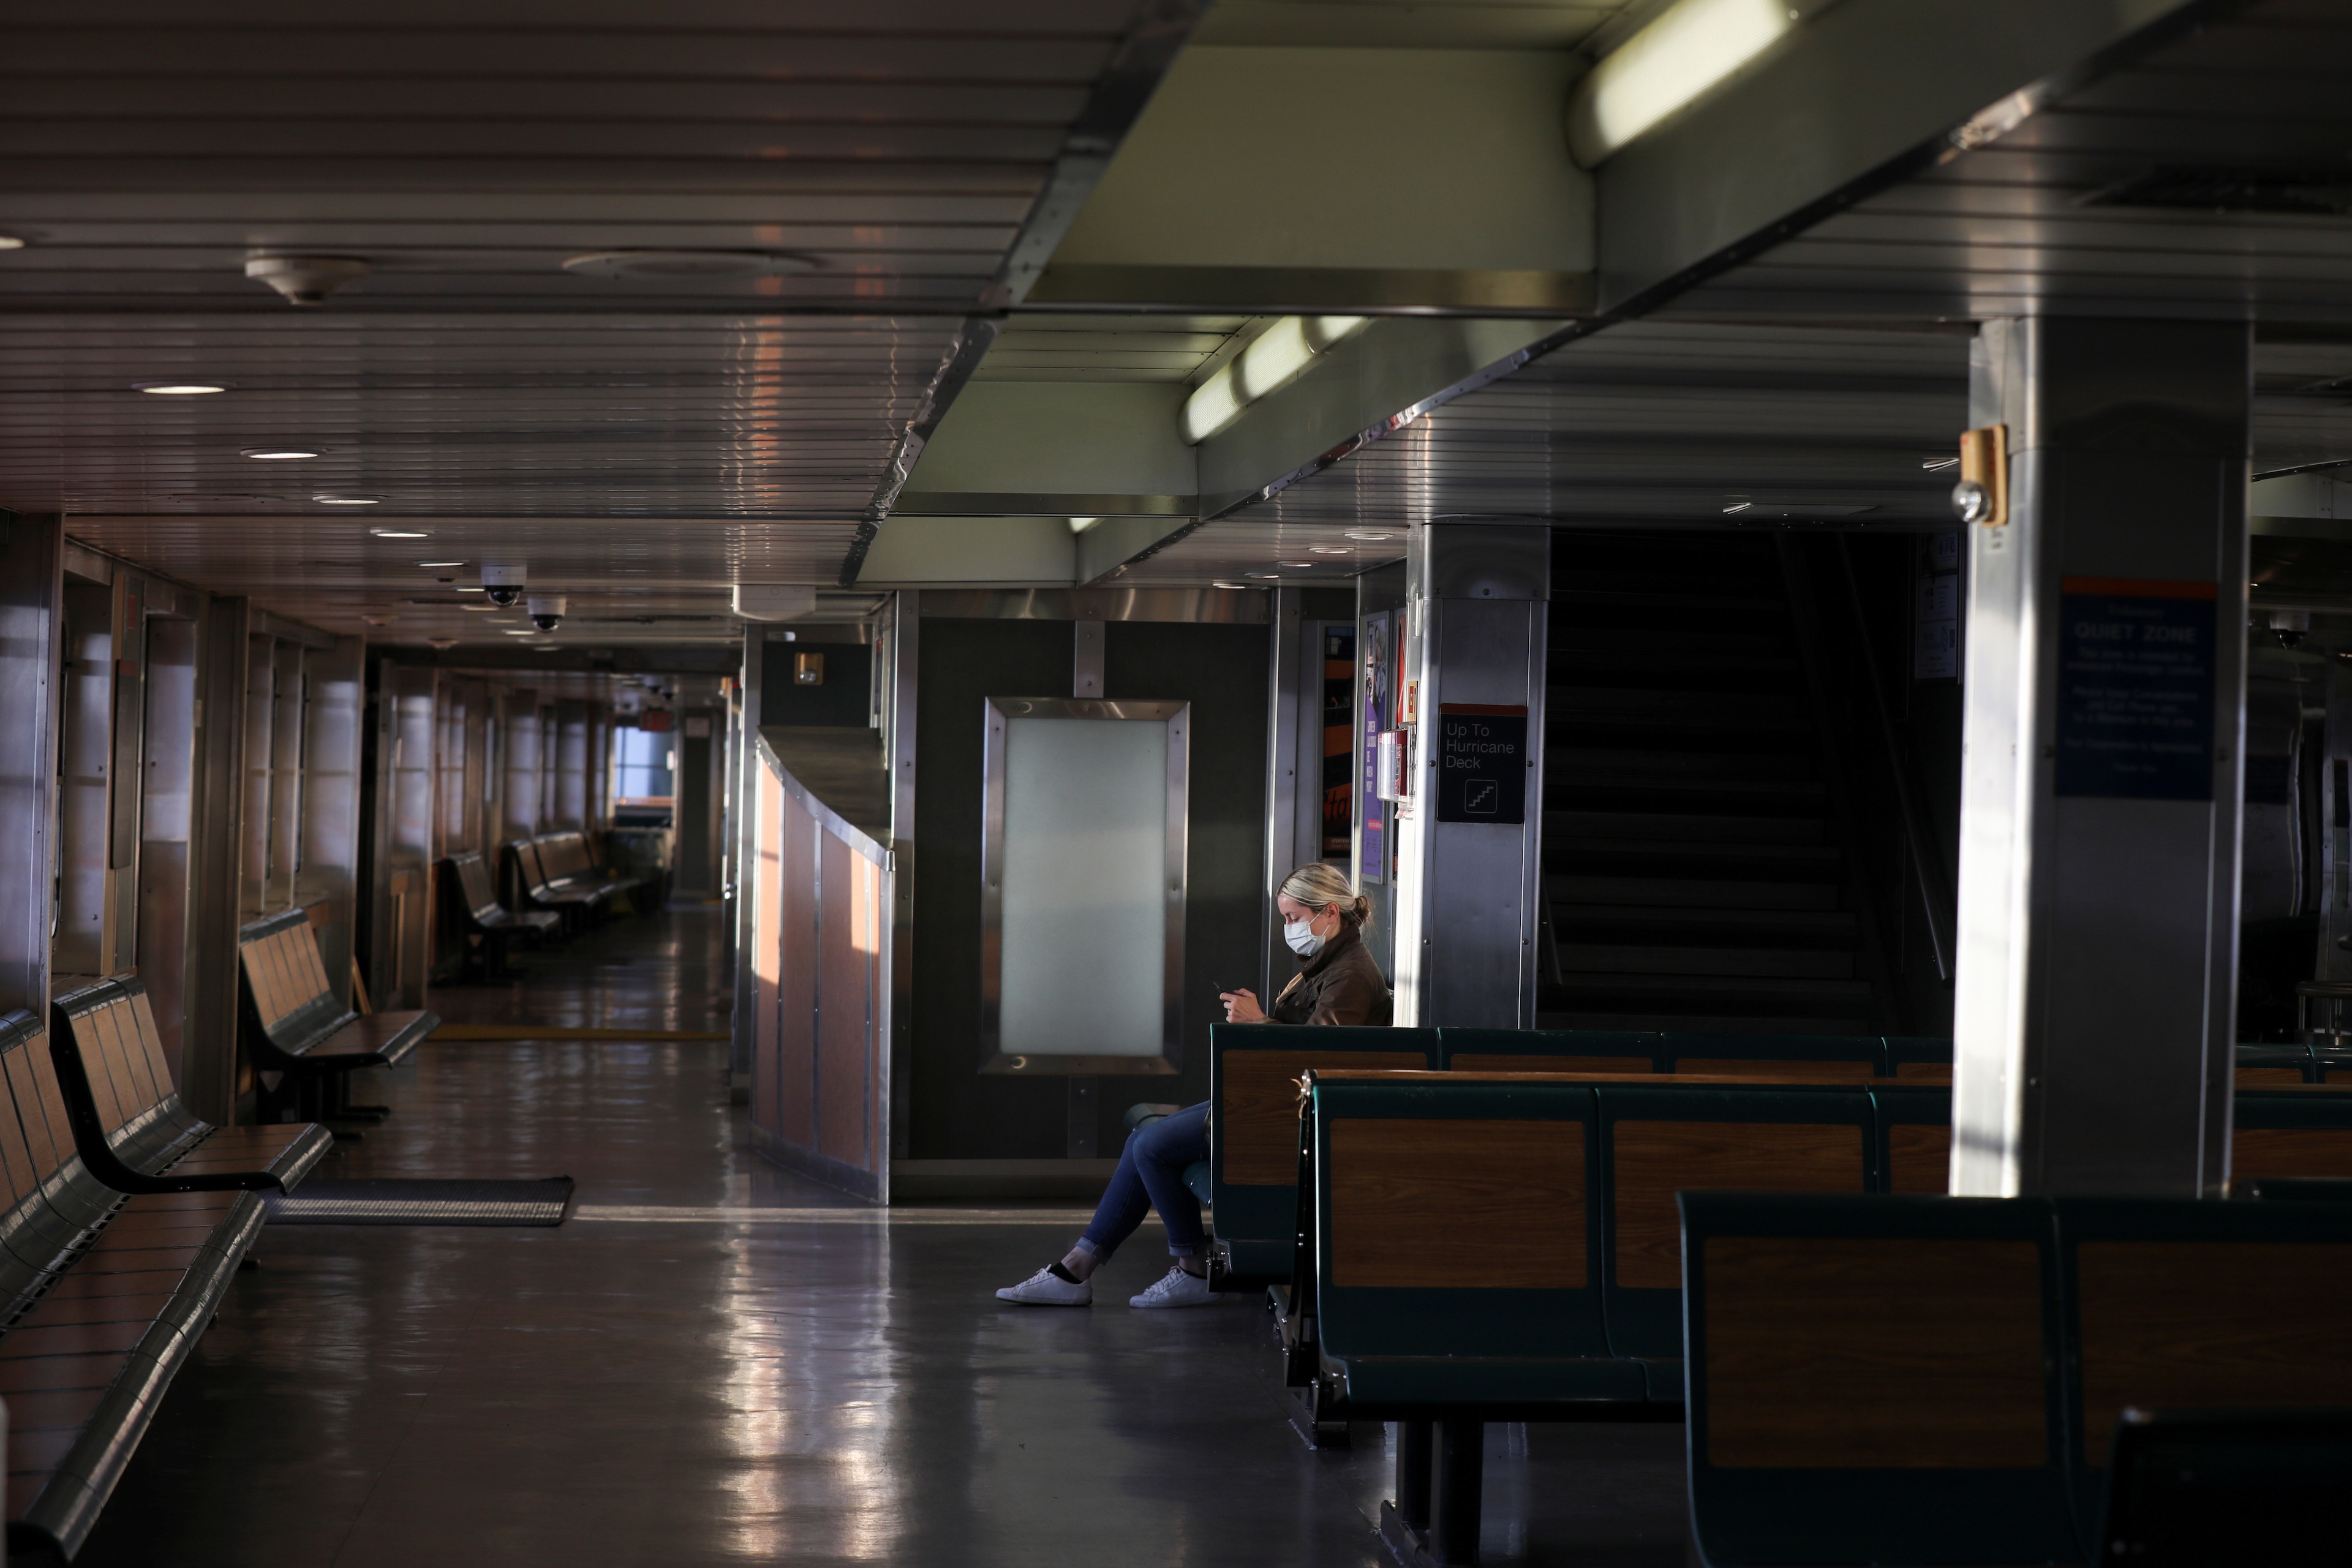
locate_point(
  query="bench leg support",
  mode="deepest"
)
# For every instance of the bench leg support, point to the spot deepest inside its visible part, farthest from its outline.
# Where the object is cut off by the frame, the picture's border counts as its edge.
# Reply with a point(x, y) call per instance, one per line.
point(1412, 1475)
point(1454, 1507)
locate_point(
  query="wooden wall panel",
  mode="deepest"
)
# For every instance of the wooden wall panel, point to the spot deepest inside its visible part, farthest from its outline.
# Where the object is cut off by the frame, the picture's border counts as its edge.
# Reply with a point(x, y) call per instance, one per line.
point(1655, 1160)
point(1260, 1129)
point(846, 1011)
point(2187, 1325)
point(1429, 1204)
point(767, 945)
point(796, 1008)
point(1874, 1353)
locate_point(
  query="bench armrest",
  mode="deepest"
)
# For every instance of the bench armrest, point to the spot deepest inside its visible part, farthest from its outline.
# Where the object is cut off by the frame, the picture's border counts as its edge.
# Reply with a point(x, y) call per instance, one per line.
point(100, 1158)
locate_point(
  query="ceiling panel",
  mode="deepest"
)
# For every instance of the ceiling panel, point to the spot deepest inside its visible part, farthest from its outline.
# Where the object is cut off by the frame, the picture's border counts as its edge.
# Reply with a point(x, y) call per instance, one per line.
point(646, 439)
point(1810, 386)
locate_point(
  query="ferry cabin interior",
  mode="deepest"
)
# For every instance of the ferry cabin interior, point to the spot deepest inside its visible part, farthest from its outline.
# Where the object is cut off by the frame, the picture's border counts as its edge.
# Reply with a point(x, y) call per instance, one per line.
point(747, 604)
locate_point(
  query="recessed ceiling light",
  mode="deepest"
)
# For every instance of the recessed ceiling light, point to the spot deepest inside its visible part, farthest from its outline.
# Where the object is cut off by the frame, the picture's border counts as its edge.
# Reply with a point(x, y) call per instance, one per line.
point(440, 564)
point(686, 265)
point(179, 388)
point(1328, 550)
point(1371, 536)
point(277, 454)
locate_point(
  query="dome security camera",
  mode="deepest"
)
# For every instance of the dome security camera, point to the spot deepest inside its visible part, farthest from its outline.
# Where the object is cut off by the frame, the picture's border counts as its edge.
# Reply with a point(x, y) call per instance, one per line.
point(546, 611)
point(504, 584)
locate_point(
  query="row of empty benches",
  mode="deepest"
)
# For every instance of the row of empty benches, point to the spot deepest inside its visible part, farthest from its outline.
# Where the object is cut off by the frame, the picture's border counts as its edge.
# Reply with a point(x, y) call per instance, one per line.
point(553, 887)
point(128, 1216)
point(1475, 1226)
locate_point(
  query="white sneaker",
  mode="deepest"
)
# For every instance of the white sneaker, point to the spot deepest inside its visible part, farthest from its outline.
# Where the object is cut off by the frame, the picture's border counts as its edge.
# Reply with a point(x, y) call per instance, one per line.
point(1046, 1289)
point(1178, 1289)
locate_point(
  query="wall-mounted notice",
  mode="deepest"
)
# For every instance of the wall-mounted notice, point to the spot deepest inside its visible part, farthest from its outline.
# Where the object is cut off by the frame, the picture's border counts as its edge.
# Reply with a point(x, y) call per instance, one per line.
point(1936, 607)
point(1339, 740)
point(1373, 861)
point(1482, 762)
point(2135, 671)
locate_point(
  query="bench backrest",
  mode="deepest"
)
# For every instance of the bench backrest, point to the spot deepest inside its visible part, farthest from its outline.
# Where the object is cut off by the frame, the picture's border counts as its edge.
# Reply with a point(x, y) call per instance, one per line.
point(476, 890)
point(1827, 1059)
point(1254, 1071)
point(529, 880)
point(1456, 1219)
point(1550, 1050)
point(2303, 1133)
point(2181, 1306)
point(562, 856)
point(1927, 1059)
point(1657, 1141)
point(1875, 1381)
point(112, 1027)
point(285, 981)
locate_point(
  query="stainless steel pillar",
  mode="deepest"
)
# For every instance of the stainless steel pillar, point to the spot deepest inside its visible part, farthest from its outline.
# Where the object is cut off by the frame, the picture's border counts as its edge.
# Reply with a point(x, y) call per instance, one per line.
point(2099, 807)
point(1470, 829)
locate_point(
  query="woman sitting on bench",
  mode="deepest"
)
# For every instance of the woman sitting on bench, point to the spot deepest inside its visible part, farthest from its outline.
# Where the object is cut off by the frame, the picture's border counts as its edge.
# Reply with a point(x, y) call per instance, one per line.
point(1323, 920)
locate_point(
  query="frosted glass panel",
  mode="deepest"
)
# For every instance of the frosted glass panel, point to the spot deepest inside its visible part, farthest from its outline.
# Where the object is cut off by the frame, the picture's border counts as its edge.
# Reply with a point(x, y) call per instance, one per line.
point(1085, 905)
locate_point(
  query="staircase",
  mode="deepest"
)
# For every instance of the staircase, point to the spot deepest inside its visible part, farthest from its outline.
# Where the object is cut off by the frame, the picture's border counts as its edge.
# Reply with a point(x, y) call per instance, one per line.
point(1694, 878)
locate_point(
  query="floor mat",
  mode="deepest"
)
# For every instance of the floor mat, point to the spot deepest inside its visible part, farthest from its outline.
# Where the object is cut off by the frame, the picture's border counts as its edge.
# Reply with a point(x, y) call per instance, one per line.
point(406, 1202)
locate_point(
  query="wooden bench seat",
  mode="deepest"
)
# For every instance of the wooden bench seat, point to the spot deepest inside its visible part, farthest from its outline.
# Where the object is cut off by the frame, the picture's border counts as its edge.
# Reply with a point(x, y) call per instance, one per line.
point(296, 1026)
point(486, 928)
point(105, 1294)
point(1982, 1431)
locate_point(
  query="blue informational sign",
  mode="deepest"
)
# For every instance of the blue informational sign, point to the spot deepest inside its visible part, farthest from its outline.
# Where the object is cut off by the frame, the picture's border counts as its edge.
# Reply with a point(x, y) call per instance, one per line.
point(2136, 672)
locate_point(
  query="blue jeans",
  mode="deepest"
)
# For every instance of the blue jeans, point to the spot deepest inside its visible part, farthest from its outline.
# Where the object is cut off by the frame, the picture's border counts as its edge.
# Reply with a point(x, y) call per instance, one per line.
point(1151, 1176)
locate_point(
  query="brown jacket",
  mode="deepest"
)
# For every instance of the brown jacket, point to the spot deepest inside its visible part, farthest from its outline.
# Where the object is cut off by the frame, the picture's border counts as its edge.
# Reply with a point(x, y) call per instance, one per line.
point(1340, 984)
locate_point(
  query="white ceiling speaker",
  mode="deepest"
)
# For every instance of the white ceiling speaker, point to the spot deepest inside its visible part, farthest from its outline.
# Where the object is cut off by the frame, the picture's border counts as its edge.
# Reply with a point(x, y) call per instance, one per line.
point(684, 266)
point(306, 279)
point(773, 600)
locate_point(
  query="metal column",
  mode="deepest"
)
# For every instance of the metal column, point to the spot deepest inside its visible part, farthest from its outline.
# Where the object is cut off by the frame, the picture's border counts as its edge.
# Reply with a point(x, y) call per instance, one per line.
point(1470, 832)
point(2099, 815)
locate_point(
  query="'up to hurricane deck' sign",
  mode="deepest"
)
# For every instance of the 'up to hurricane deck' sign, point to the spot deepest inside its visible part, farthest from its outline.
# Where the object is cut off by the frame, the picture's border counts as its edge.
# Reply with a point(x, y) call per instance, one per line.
point(2135, 668)
point(1482, 762)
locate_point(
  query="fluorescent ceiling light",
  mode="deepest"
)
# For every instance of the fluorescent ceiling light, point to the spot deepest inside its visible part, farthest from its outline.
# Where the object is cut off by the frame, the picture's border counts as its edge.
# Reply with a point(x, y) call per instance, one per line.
point(1737, 506)
point(1327, 550)
point(12, 242)
point(179, 388)
point(1371, 536)
point(277, 454)
point(360, 501)
point(1671, 64)
point(440, 564)
point(1080, 524)
point(483, 609)
point(1279, 356)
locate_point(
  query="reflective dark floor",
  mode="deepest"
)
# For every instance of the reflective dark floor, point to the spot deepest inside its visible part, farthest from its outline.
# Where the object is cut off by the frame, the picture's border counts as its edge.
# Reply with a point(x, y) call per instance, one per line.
point(664, 974)
point(828, 1385)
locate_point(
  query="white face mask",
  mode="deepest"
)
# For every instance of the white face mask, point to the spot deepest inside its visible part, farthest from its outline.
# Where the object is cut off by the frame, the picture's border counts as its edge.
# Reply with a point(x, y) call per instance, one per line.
point(1300, 935)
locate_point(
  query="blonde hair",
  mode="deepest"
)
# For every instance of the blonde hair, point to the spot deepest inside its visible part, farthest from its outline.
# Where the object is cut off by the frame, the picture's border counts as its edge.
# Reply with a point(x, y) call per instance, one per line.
point(1318, 887)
